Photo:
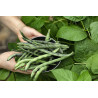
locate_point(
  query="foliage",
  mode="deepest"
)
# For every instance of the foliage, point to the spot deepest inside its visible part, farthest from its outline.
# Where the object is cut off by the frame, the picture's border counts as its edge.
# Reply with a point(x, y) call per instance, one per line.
point(71, 33)
point(64, 75)
point(94, 31)
point(84, 49)
point(4, 74)
point(92, 63)
point(75, 18)
point(84, 76)
point(80, 33)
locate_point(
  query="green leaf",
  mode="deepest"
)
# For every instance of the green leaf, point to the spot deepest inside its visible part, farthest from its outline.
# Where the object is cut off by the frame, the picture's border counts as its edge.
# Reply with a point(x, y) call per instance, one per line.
point(94, 31)
point(84, 76)
point(94, 76)
point(44, 30)
point(12, 46)
point(96, 80)
point(84, 49)
point(64, 75)
point(28, 19)
point(75, 18)
point(77, 68)
point(62, 23)
point(92, 63)
point(72, 33)
point(89, 20)
point(53, 28)
point(11, 77)
point(4, 74)
point(37, 24)
point(67, 63)
point(46, 77)
point(45, 18)
point(22, 77)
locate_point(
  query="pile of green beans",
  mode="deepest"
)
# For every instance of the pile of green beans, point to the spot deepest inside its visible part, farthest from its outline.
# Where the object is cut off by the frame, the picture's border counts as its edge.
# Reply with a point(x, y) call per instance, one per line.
point(38, 55)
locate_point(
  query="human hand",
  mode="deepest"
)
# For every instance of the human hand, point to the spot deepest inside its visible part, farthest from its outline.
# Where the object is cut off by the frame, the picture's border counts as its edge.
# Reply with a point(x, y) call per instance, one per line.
point(10, 65)
point(29, 33)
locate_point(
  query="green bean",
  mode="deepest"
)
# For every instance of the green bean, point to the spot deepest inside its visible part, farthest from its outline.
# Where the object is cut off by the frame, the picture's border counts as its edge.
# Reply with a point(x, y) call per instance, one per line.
point(23, 35)
point(31, 47)
point(28, 40)
point(50, 62)
point(42, 42)
point(49, 52)
point(22, 69)
point(32, 42)
point(12, 56)
point(19, 66)
point(45, 51)
point(27, 55)
point(37, 58)
point(38, 72)
point(39, 42)
point(37, 62)
point(41, 61)
point(35, 52)
point(36, 41)
point(21, 57)
point(32, 67)
point(27, 51)
point(47, 36)
point(22, 61)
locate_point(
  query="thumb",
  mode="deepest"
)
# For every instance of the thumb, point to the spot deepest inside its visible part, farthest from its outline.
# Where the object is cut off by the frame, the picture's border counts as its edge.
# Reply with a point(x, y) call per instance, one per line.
point(36, 33)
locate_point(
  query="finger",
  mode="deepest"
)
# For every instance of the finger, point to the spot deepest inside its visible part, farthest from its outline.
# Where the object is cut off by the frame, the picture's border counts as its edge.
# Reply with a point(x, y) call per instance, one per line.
point(24, 72)
point(9, 53)
point(36, 33)
point(20, 38)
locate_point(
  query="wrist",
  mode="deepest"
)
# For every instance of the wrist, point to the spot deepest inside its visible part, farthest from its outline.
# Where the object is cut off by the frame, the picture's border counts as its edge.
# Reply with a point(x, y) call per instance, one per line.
point(20, 26)
point(12, 22)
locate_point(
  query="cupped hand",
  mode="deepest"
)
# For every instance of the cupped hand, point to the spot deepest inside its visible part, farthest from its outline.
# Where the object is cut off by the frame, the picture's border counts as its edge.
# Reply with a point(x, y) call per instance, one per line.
point(10, 65)
point(29, 33)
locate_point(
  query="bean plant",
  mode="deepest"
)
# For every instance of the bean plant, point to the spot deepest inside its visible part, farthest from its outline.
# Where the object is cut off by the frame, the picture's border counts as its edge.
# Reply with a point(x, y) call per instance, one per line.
point(76, 46)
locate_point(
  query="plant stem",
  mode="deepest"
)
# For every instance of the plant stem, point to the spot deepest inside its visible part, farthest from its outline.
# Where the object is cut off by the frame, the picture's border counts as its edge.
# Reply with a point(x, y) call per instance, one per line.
point(80, 63)
point(83, 26)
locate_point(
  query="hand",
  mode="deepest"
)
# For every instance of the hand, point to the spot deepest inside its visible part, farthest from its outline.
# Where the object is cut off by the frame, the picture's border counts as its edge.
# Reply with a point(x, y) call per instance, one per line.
point(29, 33)
point(10, 65)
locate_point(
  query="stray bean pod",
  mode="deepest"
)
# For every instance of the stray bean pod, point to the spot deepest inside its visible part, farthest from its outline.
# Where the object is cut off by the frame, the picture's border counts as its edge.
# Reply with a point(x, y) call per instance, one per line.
point(50, 62)
point(14, 55)
point(39, 72)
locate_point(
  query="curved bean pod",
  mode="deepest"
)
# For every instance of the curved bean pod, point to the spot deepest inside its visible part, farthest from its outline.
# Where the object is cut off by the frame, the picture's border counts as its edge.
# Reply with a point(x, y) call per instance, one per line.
point(37, 58)
point(50, 62)
point(12, 56)
point(19, 66)
point(39, 72)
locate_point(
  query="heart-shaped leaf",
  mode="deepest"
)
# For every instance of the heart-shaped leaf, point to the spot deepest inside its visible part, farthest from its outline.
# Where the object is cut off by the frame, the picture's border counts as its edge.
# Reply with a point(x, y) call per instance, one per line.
point(64, 75)
point(71, 33)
